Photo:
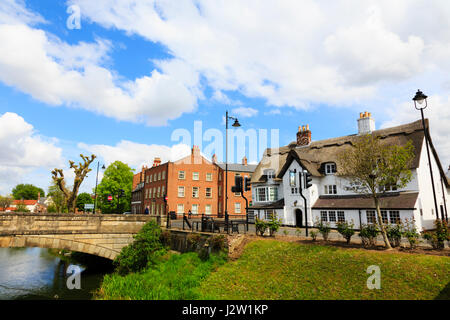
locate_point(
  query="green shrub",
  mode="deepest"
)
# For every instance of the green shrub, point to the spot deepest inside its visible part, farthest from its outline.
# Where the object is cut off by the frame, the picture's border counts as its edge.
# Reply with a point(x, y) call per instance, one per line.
point(260, 226)
point(145, 251)
point(346, 230)
point(298, 232)
point(313, 235)
point(368, 234)
point(438, 235)
point(394, 234)
point(409, 231)
point(324, 228)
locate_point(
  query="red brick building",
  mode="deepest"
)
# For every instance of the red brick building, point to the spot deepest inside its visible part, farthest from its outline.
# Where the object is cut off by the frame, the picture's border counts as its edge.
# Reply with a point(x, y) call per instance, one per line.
point(192, 184)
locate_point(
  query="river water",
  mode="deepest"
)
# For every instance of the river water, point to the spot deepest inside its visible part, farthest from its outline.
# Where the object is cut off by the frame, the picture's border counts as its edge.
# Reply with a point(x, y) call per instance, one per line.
point(34, 274)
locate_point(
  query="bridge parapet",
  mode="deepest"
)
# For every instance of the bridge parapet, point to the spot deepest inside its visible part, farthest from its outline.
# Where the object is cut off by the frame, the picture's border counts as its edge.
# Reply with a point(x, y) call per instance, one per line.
point(37, 223)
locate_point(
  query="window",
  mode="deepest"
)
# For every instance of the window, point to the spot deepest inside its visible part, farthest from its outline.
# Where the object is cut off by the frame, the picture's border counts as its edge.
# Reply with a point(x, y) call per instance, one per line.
point(149, 193)
point(209, 177)
point(384, 216)
point(195, 192)
point(146, 180)
point(163, 175)
point(294, 190)
point(270, 174)
point(268, 214)
point(159, 176)
point(157, 210)
point(195, 175)
point(273, 194)
point(394, 216)
point(208, 209)
point(150, 178)
point(371, 218)
point(292, 178)
point(323, 216)
point(181, 175)
point(208, 192)
point(261, 194)
point(237, 207)
point(341, 216)
point(330, 168)
point(153, 208)
point(220, 176)
point(194, 209)
point(220, 207)
point(331, 189)
point(180, 208)
point(180, 192)
point(154, 192)
point(163, 189)
point(159, 192)
point(332, 216)
point(220, 191)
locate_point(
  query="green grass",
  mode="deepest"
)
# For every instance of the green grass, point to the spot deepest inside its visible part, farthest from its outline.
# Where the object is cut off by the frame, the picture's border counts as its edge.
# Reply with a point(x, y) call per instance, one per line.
point(283, 270)
point(175, 278)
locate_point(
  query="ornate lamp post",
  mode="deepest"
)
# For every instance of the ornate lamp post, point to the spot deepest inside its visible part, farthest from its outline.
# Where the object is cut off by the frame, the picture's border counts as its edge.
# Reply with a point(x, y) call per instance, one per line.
point(96, 181)
point(235, 124)
point(420, 103)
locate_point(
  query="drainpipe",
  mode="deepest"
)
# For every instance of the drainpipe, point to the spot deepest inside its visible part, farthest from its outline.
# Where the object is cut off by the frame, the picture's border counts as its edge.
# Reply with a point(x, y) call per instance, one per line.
point(443, 196)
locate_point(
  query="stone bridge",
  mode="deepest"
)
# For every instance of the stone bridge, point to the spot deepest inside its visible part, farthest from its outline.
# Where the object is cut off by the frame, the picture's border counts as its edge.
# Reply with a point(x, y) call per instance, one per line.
point(103, 235)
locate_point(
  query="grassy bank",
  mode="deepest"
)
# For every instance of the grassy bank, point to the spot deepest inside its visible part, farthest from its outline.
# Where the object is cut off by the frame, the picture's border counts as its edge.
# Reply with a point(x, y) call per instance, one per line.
point(176, 277)
point(283, 270)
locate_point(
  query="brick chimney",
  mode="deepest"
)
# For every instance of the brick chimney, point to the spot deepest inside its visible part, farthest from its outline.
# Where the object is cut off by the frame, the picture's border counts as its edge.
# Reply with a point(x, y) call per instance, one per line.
point(39, 196)
point(366, 124)
point(214, 158)
point(303, 136)
point(156, 162)
point(195, 151)
point(244, 160)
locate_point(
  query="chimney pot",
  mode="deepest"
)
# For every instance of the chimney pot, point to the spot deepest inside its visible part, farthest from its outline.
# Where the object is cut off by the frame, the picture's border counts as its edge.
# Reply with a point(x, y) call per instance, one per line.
point(366, 124)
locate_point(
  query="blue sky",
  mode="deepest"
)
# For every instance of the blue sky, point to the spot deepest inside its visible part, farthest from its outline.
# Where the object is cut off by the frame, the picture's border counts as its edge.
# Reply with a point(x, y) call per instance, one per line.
point(136, 71)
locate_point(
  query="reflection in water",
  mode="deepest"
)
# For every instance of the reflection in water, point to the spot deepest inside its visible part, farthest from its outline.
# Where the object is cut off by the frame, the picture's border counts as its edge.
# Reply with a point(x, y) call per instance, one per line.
point(33, 273)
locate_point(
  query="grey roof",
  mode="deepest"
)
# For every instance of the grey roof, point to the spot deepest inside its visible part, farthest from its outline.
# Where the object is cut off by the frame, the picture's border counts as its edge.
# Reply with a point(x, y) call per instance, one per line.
point(238, 167)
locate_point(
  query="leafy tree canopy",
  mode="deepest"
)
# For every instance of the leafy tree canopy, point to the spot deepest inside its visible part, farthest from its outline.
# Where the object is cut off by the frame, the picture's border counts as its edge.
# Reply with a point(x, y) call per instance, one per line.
point(82, 199)
point(27, 192)
point(117, 176)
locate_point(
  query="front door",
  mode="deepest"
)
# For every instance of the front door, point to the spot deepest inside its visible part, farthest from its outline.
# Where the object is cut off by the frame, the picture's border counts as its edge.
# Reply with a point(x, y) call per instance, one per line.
point(299, 218)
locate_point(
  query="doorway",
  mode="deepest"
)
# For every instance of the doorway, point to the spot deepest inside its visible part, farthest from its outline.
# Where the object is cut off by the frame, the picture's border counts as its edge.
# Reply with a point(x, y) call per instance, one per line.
point(298, 218)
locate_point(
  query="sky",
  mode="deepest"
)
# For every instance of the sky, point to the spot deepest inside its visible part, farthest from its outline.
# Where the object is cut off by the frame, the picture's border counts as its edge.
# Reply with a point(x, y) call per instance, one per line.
point(131, 80)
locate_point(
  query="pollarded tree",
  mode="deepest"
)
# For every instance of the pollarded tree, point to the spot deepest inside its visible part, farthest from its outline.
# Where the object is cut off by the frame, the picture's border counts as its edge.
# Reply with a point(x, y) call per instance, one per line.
point(80, 170)
point(373, 167)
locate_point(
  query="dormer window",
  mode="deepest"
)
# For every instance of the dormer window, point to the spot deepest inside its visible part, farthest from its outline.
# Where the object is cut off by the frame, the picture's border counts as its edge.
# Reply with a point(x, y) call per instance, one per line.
point(330, 168)
point(270, 174)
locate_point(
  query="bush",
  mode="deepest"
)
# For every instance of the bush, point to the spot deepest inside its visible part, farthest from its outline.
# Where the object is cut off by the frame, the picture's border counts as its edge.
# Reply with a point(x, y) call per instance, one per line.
point(394, 234)
point(439, 235)
point(298, 232)
point(145, 251)
point(260, 226)
point(346, 230)
point(313, 235)
point(324, 228)
point(274, 225)
point(218, 243)
point(195, 241)
point(409, 231)
point(368, 234)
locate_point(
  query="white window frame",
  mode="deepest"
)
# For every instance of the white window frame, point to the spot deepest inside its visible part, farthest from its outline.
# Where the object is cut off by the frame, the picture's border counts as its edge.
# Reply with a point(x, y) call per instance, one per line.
point(330, 168)
point(181, 175)
point(237, 207)
point(210, 192)
point(209, 176)
point(195, 194)
point(179, 189)
point(195, 176)
point(196, 208)
point(208, 209)
point(182, 208)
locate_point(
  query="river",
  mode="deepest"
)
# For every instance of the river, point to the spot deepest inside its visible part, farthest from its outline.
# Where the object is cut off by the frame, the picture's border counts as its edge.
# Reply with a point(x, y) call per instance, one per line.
point(34, 274)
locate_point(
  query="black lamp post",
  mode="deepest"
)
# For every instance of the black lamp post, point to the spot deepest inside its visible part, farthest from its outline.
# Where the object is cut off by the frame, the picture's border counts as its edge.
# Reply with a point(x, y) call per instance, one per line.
point(96, 181)
point(420, 103)
point(235, 124)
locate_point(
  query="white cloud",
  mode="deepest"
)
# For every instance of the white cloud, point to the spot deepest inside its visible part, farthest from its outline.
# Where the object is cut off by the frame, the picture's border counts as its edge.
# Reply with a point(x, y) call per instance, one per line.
point(245, 112)
point(15, 11)
point(58, 73)
point(23, 150)
point(137, 154)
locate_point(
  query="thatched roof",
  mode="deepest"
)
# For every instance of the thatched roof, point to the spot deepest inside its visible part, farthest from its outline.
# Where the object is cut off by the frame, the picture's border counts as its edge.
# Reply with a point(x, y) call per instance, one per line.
point(317, 153)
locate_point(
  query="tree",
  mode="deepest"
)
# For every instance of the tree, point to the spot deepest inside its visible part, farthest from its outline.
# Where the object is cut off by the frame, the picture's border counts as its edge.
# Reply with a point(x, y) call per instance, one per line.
point(27, 192)
point(5, 202)
point(117, 176)
point(373, 167)
point(80, 170)
point(58, 199)
point(82, 199)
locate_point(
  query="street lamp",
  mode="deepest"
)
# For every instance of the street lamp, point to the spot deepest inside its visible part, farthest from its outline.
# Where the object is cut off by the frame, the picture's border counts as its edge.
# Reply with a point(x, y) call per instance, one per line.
point(96, 181)
point(420, 103)
point(236, 124)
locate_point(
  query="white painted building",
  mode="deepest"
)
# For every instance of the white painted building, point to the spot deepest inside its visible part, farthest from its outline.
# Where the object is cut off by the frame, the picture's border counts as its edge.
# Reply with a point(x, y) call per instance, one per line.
point(276, 185)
